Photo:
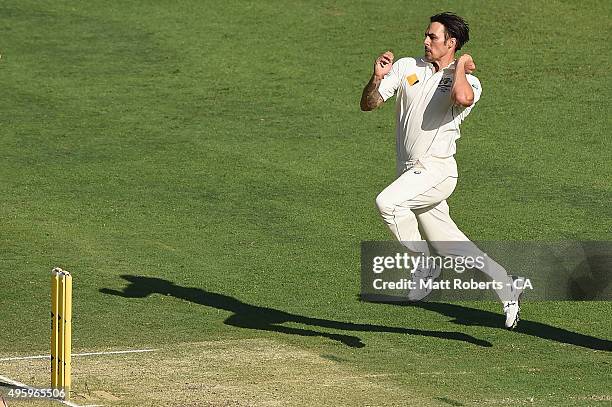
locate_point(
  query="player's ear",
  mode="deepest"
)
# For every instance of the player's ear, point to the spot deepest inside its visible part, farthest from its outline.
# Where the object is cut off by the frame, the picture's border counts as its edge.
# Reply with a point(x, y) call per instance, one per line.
point(452, 42)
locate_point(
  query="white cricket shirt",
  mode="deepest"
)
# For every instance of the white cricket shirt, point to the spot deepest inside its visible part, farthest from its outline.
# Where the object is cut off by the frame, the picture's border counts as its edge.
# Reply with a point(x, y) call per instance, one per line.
point(427, 119)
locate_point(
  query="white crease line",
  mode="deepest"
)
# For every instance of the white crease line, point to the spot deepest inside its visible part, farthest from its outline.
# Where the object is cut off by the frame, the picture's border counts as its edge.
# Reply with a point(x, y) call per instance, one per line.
point(116, 352)
point(25, 386)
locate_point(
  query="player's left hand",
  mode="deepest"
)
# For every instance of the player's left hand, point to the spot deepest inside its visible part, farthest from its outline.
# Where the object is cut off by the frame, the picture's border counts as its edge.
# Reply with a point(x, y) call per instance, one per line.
point(468, 63)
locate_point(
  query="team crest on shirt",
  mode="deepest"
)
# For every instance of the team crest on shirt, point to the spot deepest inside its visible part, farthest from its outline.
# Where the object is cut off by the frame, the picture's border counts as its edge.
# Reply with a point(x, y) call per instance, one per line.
point(412, 79)
point(445, 84)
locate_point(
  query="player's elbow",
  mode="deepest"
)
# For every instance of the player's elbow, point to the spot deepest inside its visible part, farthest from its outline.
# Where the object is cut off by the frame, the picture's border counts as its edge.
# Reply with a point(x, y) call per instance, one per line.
point(366, 108)
point(368, 105)
point(462, 99)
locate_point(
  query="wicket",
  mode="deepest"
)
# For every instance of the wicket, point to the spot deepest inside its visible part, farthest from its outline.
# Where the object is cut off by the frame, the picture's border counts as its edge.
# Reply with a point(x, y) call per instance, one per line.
point(61, 330)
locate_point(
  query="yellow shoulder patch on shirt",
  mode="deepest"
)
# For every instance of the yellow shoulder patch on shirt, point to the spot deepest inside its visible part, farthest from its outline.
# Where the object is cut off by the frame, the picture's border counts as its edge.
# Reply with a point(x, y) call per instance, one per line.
point(412, 79)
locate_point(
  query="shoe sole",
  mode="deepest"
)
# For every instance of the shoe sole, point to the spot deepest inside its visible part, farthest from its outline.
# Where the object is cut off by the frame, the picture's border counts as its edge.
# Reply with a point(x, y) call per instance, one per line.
point(516, 320)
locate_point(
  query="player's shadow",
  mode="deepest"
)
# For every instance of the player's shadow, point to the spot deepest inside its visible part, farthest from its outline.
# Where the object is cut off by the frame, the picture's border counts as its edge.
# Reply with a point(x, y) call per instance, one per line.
point(471, 316)
point(270, 319)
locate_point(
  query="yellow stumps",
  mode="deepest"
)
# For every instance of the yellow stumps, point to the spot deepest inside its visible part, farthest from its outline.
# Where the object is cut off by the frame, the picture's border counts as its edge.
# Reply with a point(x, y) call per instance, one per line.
point(61, 330)
point(54, 325)
point(68, 335)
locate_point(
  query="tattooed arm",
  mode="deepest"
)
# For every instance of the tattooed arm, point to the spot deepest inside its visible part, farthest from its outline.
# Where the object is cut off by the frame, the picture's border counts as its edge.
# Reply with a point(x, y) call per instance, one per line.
point(370, 98)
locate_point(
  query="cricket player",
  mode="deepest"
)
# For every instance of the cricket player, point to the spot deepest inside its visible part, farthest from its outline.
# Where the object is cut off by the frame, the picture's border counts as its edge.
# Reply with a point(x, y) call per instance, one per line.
point(434, 94)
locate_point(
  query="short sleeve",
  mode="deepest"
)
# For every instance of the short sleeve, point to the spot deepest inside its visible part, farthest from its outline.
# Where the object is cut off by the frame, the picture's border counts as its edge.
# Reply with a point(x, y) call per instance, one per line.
point(476, 87)
point(389, 84)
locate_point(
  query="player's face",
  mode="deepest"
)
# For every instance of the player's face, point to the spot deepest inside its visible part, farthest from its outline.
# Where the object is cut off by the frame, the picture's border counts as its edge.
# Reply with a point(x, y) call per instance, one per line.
point(436, 45)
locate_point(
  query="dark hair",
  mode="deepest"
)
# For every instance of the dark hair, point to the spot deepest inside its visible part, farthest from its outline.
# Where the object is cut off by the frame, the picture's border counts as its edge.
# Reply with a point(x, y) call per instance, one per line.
point(454, 27)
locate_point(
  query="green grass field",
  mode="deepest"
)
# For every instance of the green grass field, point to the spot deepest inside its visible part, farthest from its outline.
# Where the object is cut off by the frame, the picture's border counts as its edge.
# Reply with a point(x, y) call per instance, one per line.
point(205, 173)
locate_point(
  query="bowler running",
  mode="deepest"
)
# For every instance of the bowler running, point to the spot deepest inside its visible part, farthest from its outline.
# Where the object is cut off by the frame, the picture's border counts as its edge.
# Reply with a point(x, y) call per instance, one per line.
point(434, 94)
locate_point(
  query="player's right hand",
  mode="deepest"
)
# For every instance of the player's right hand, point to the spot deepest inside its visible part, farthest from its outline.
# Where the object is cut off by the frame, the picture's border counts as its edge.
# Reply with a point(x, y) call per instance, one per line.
point(383, 64)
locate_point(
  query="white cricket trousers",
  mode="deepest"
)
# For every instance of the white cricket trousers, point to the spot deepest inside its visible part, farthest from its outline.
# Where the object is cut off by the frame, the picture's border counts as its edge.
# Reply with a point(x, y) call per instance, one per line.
point(415, 204)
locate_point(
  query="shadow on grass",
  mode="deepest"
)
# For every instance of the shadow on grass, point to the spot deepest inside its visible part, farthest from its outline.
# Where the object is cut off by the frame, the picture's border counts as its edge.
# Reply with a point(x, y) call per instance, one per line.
point(472, 316)
point(270, 319)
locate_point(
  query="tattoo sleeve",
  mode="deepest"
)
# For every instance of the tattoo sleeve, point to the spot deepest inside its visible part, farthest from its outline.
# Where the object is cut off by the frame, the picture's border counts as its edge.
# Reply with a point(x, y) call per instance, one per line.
point(370, 98)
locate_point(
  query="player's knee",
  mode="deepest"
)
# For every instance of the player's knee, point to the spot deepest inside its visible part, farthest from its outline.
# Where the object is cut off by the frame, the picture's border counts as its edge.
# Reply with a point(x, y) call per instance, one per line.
point(384, 205)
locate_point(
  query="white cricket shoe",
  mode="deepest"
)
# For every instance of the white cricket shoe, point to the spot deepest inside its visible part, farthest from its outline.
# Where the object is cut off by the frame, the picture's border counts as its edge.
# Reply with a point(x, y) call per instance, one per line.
point(512, 308)
point(419, 279)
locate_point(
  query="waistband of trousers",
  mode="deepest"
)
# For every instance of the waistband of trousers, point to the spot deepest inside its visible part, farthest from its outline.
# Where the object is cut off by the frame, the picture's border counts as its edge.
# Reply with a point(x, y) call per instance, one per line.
point(428, 162)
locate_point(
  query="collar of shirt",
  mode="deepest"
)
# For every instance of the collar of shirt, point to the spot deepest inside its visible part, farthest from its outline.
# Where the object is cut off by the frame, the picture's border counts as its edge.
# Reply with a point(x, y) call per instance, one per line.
point(431, 66)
